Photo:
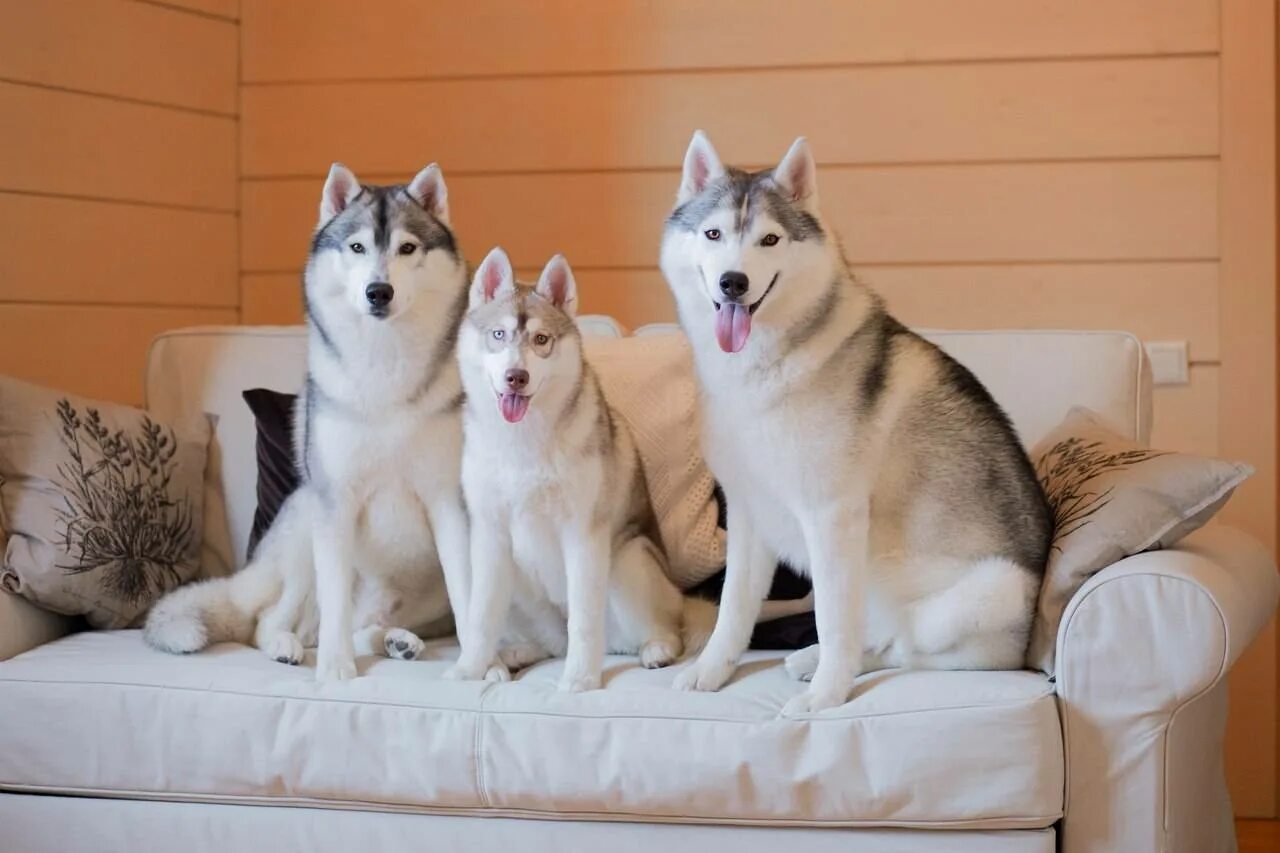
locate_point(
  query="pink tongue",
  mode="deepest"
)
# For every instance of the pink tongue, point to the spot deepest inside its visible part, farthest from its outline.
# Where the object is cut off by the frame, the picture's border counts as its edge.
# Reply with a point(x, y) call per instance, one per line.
point(733, 324)
point(513, 407)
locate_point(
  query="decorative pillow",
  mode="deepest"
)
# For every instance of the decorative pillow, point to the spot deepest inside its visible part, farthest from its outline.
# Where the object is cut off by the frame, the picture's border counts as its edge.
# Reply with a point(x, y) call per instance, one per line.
point(100, 506)
point(649, 380)
point(277, 468)
point(1112, 498)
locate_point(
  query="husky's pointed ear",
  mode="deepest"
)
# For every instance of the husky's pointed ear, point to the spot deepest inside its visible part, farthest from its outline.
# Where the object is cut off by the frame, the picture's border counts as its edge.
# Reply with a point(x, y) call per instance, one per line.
point(427, 189)
point(701, 166)
point(557, 285)
point(797, 174)
point(494, 277)
point(340, 189)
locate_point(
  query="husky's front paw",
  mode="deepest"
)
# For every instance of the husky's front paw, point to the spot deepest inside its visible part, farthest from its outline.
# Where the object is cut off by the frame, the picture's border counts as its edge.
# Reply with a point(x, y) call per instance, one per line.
point(803, 663)
point(813, 700)
point(497, 673)
point(283, 647)
point(579, 682)
point(402, 645)
point(465, 671)
point(335, 669)
point(704, 674)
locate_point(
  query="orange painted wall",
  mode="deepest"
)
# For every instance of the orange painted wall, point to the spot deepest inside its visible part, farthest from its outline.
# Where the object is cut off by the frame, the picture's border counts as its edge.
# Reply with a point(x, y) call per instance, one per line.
point(118, 184)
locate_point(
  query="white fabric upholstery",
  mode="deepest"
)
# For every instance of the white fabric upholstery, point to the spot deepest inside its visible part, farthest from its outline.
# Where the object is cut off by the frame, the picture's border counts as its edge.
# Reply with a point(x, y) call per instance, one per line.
point(34, 824)
point(1036, 376)
point(102, 714)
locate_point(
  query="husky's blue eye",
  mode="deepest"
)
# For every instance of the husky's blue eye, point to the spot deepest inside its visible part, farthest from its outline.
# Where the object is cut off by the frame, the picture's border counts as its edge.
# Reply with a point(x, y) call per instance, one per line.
point(499, 334)
point(408, 248)
point(358, 248)
point(769, 240)
point(712, 233)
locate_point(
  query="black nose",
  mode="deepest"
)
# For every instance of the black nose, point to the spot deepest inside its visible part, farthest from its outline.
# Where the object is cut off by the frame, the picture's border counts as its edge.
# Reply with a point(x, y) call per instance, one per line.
point(517, 379)
point(379, 294)
point(734, 284)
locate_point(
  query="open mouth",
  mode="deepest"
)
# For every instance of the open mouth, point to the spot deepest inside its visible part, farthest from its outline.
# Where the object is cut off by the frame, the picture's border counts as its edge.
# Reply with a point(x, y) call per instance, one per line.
point(733, 320)
point(513, 406)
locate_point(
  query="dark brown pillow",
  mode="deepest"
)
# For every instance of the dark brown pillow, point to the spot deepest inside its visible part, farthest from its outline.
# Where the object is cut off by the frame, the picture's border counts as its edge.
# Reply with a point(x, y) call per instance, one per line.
point(277, 472)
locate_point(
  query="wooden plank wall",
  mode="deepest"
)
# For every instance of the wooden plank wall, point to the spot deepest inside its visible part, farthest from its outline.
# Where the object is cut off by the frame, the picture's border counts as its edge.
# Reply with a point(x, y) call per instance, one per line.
point(996, 163)
point(118, 184)
point(1016, 163)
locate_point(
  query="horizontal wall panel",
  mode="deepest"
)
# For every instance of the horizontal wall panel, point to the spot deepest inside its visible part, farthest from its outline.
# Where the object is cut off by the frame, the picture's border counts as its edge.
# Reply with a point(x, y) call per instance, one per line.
point(1004, 111)
point(229, 9)
point(81, 145)
point(121, 48)
point(1186, 416)
point(68, 250)
point(973, 213)
point(271, 299)
point(96, 351)
point(1156, 301)
point(289, 40)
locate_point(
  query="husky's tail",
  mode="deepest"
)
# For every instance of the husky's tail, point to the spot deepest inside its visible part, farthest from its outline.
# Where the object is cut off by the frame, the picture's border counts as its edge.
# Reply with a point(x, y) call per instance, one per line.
point(212, 611)
point(700, 617)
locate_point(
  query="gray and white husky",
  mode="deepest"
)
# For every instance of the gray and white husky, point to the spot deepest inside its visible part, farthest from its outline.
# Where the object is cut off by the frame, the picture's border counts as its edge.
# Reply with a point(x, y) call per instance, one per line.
point(351, 561)
point(847, 445)
point(566, 555)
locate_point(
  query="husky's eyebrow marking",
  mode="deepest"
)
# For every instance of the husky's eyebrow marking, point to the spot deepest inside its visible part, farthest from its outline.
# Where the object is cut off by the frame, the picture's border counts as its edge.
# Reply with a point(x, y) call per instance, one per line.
point(748, 193)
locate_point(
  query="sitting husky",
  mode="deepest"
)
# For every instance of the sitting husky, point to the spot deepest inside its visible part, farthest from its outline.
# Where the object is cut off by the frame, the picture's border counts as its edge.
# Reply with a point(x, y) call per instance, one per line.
point(846, 445)
point(560, 512)
point(562, 527)
point(378, 440)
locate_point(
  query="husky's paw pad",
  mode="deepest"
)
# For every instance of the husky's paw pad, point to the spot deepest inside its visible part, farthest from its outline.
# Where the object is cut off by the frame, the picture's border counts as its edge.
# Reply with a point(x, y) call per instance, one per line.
point(802, 664)
point(704, 675)
point(579, 683)
point(402, 645)
point(284, 648)
point(656, 654)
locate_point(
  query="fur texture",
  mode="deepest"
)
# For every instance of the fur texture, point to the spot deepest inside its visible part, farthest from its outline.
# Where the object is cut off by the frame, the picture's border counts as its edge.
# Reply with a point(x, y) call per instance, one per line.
point(351, 562)
point(846, 445)
point(566, 554)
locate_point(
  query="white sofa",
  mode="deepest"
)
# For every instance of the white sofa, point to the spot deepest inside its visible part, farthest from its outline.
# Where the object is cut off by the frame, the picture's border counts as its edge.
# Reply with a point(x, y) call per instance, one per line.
point(106, 744)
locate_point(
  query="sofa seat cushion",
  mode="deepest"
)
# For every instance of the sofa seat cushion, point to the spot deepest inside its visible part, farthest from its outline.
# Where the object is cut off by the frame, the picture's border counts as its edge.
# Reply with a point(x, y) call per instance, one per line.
point(103, 714)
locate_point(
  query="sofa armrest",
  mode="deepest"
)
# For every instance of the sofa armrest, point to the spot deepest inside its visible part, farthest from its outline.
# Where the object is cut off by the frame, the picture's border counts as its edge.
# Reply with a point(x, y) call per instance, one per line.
point(1143, 651)
point(24, 626)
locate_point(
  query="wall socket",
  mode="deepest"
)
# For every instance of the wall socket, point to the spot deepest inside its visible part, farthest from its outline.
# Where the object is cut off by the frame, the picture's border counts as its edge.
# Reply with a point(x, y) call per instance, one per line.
point(1168, 362)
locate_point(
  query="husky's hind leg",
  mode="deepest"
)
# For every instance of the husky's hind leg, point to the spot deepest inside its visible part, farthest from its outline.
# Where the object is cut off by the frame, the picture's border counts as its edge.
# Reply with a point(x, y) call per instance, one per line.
point(981, 622)
point(645, 608)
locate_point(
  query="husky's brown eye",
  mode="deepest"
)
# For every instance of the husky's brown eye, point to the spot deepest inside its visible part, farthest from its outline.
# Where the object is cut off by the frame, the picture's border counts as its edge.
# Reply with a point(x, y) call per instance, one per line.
point(408, 248)
point(358, 248)
point(769, 240)
point(712, 233)
point(541, 339)
point(499, 334)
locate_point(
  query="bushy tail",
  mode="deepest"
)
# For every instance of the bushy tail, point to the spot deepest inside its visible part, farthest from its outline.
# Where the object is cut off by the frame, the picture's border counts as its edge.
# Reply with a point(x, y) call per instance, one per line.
point(700, 617)
point(212, 611)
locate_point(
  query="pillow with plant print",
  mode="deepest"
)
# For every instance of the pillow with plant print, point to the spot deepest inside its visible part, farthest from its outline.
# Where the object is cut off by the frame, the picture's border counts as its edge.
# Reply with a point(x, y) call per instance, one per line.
point(1112, 498)
point(100, 505)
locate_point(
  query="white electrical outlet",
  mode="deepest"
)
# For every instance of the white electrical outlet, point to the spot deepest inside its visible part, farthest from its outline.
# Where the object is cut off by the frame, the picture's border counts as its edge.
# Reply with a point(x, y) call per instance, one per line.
point(1168, 362)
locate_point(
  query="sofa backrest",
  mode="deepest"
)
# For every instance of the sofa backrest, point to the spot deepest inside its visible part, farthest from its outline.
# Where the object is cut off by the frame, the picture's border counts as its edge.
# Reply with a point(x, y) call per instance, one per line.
point(1036, 375)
